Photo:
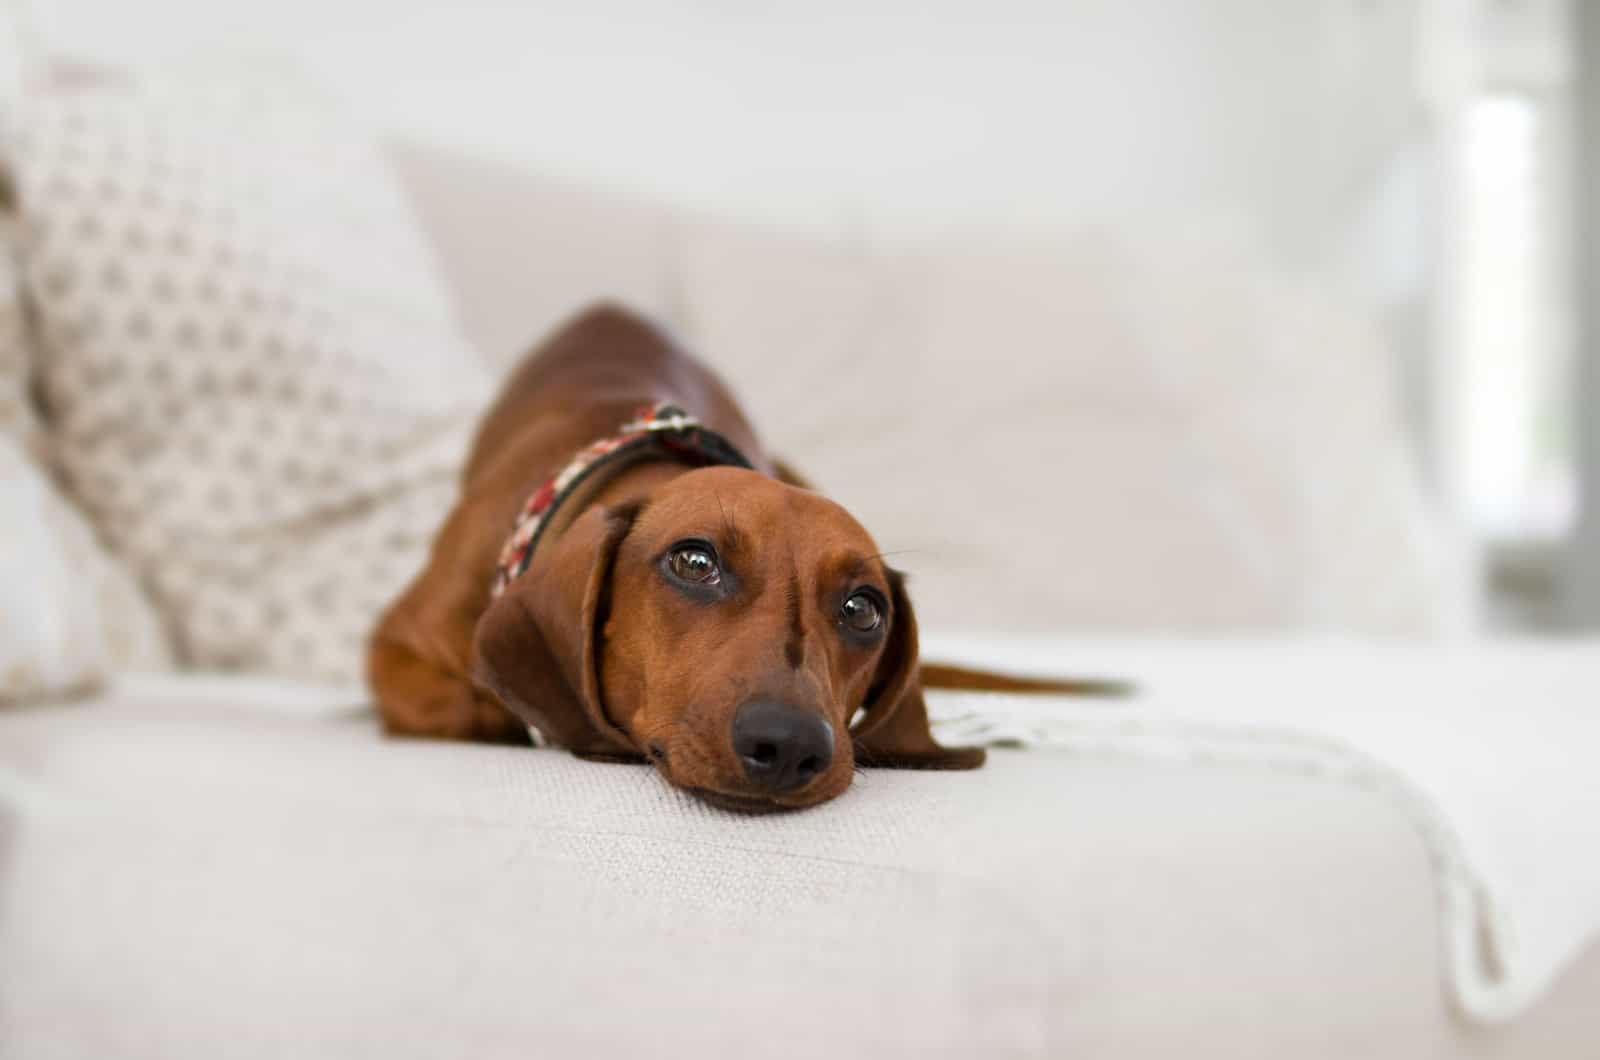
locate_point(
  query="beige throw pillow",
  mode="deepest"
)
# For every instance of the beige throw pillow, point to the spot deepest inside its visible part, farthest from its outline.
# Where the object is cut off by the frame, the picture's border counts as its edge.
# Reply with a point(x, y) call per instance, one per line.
point(17, 419)
point(254, 382)
point(69, 614)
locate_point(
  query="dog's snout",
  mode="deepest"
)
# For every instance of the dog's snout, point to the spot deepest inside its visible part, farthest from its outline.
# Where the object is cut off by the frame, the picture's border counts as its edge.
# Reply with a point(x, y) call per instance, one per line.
point(781, 747)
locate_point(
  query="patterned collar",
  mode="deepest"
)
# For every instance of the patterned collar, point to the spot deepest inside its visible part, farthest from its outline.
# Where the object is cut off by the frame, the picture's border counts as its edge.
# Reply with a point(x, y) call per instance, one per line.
point(662, 430)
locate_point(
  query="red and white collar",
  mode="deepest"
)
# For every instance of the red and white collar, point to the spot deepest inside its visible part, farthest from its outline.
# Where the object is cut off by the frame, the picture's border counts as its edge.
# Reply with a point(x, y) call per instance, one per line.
point(661, 430)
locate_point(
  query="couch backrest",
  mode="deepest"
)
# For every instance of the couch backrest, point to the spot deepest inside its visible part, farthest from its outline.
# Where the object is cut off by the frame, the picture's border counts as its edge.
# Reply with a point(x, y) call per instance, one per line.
point(1152, 431)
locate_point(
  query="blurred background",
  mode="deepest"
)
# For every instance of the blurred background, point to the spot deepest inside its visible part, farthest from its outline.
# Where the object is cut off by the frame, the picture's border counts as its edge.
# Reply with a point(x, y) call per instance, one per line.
point(1420, 157)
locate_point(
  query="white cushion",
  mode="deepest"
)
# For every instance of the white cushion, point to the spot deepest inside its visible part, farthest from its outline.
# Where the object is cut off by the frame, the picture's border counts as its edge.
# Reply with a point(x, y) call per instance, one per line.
point(1103, 432)
point(525, 251)
point(186, 881)
point(69, 614)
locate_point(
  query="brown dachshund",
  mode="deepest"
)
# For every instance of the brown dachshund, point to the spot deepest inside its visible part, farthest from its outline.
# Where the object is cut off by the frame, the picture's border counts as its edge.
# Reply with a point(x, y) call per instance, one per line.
point(680, 598)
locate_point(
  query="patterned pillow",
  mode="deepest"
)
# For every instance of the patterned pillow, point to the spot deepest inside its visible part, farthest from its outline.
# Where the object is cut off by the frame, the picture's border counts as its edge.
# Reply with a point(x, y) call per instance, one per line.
point(17, 418)
point(253, 381)
point(68, 613)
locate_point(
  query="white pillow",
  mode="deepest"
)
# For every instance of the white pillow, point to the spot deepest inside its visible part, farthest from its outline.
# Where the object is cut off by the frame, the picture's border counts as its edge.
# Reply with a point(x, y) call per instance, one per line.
point(254, 382)
point(1097, 432)
point(69, 615)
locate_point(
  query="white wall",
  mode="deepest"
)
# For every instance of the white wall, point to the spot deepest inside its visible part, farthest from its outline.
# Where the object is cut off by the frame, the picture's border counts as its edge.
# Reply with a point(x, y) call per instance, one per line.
point(911, 115)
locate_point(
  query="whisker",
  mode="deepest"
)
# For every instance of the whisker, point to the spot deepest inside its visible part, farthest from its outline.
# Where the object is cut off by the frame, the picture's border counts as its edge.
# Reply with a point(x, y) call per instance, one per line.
point(730, 532)
point(647, 774)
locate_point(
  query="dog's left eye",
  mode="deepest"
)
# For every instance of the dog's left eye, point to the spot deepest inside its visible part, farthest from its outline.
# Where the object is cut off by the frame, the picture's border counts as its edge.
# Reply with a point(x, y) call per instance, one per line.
point(694, 563)
point(861, 612)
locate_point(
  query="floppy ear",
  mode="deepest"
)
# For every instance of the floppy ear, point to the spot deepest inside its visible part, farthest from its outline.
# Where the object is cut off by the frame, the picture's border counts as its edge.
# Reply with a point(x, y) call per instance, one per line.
point(537, 646)
point(894, 729)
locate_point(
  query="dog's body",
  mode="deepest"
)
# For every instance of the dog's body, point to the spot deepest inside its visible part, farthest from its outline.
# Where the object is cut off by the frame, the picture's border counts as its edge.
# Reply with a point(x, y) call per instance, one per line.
point(579, 386)
point(667, 607)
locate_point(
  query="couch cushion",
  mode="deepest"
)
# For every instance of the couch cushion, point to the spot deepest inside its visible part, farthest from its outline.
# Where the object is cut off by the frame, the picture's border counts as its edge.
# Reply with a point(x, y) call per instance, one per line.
point(524, 251)
point(1127, 431)
point(186, 880)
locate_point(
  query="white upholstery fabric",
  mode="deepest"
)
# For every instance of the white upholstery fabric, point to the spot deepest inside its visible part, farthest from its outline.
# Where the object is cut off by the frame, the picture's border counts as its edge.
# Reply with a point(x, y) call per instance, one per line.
point(207, 879)
point(1189, 440)
point(526, 251)
point(1475, 743)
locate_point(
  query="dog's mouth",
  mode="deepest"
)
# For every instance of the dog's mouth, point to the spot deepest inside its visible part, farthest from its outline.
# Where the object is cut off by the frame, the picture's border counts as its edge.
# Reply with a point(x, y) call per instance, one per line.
point(746, 804)
point(734, 802)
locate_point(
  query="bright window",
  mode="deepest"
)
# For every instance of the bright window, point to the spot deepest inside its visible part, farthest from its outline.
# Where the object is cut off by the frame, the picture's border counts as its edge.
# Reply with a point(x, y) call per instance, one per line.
point(1515, 438)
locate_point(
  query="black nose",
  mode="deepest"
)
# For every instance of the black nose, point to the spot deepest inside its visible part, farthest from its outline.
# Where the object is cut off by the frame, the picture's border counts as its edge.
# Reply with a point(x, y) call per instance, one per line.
point(781, 747)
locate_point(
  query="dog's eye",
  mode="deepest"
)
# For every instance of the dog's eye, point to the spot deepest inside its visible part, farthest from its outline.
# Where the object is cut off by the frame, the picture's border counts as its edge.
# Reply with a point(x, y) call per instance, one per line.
point(861, 612)
point(694, 563)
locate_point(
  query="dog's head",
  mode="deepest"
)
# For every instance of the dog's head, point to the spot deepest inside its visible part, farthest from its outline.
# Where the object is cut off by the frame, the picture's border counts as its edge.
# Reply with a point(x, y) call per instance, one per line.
point(743, 634)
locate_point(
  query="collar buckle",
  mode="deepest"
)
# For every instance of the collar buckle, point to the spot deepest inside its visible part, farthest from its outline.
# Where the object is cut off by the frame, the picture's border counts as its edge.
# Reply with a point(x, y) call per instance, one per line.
point(665, 418)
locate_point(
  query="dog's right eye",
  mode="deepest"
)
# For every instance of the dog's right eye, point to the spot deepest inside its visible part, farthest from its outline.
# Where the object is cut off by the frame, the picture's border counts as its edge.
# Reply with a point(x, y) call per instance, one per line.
point(695, 563)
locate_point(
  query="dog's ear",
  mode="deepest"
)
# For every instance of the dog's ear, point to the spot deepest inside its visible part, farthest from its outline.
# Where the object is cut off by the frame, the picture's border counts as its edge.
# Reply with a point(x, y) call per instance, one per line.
point(537, 647)
point(894, 730)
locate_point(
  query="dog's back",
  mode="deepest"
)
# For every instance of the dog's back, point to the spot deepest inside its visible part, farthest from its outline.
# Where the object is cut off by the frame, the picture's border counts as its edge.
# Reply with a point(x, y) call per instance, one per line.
point(590, 376)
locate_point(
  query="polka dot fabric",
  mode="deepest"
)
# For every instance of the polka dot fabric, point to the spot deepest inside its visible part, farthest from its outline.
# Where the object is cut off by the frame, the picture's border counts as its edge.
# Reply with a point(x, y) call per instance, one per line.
point(252, 378)
point(16, 413)
point(69, 613)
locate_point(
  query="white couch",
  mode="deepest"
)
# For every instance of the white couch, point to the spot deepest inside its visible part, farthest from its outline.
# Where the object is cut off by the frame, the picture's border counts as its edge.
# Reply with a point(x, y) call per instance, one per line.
point(196, 866)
